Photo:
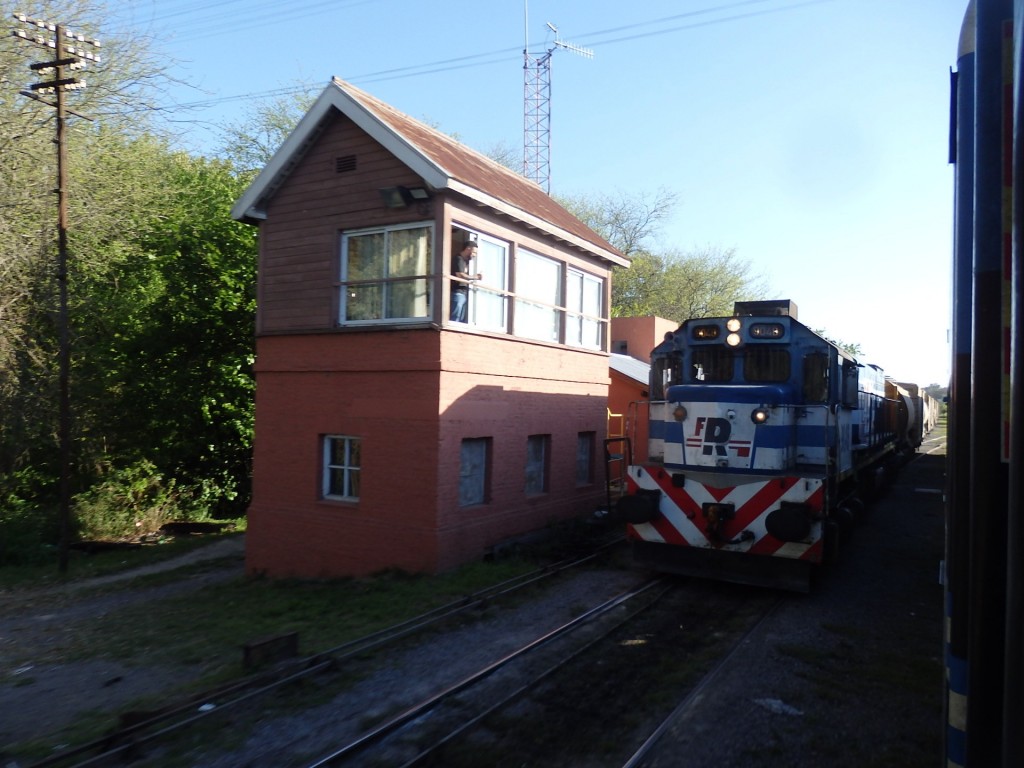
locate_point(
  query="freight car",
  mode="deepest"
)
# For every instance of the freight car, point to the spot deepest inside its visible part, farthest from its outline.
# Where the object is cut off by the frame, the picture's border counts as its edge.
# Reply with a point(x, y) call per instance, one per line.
point(766, 440)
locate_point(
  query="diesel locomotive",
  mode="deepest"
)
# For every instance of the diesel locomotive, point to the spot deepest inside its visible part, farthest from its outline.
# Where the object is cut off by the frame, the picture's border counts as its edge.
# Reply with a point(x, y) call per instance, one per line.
point(765, 442)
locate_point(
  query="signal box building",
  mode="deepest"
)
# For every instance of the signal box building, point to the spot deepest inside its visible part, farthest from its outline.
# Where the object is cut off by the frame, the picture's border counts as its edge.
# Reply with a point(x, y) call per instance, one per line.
point(387, 434)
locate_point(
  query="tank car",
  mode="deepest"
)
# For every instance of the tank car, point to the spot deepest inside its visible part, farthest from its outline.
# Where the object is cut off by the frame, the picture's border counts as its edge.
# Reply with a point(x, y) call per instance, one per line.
point(766, 439)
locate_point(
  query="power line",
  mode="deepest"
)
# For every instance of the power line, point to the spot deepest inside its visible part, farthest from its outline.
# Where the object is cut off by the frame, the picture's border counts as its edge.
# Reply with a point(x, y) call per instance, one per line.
point(486, 58)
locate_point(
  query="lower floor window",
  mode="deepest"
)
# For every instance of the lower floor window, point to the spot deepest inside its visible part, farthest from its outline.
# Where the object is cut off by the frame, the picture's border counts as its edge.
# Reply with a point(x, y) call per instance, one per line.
point(473, 475)
point(585, 458)
point(537, 449)
point(341, 467)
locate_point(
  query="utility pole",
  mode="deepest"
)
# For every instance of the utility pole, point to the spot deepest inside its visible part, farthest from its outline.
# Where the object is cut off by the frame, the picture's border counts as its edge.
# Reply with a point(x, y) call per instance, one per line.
point(537, 106)
point(69, 54)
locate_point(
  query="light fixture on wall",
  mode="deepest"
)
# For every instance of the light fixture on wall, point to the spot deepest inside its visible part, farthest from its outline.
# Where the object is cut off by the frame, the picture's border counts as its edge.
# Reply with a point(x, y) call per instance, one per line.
point(402, 197)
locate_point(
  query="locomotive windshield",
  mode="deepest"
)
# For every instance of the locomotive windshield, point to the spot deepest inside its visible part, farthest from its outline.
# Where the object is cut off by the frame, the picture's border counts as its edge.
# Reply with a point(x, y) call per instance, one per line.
point(766, 364)
point(712, 364)
point(761, 364)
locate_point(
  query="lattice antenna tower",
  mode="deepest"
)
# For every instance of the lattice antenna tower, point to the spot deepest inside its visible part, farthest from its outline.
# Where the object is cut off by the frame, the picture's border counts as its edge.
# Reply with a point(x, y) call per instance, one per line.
point(537, 106)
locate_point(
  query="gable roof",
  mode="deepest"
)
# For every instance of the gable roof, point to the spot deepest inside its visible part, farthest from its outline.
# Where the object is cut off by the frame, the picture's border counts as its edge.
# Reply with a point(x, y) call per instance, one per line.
point(441, 161)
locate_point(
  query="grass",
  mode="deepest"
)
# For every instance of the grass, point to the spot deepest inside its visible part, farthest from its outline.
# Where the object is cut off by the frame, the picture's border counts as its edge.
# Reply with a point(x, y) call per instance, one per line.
point(207, 627)
point(201, 631)
point(83, 565)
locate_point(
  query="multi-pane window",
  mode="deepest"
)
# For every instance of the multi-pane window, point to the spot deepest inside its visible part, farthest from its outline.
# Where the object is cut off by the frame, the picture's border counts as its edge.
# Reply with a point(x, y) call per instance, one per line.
point(537, 296)
point(385, 274)
point(552, 301)
point(585, 458)
point(341, 467)
point(488, 306)
point(473, 471)
point(537, 450)
point(582, 309)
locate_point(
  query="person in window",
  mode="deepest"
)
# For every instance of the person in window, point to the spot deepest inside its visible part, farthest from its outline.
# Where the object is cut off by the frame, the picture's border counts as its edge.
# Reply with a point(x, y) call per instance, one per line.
point(461, 266)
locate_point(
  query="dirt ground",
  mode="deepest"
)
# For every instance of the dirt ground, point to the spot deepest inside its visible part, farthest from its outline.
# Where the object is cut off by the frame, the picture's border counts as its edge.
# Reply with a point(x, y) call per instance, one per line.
point(41, 689)
point(849, 675)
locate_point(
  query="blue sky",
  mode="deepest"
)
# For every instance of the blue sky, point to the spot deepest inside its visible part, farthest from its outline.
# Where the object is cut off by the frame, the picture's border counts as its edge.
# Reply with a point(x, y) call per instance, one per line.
point(809, 135)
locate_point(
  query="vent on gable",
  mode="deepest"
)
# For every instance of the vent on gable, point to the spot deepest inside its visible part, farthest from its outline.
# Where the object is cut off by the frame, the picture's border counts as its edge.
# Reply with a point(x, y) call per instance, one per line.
point(345, 164)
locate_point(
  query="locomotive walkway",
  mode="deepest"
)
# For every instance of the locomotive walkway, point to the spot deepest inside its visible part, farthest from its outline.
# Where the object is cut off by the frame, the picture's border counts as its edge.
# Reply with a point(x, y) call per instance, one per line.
point(849, 675)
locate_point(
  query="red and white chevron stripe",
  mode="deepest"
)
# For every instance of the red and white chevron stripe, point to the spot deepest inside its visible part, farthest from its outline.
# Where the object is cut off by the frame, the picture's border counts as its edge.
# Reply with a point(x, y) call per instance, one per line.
point(682, 522)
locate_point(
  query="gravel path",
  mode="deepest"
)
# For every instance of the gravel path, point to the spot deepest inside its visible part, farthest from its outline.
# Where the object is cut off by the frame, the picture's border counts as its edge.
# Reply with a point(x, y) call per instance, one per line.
point(41, 689)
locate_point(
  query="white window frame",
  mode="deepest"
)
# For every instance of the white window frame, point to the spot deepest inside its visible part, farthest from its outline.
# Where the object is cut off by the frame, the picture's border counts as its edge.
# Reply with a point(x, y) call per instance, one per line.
point(536, 304)
point(584, 305)
point(351, 469)
point(489, 297)
point(386, 282)
point(538, 296)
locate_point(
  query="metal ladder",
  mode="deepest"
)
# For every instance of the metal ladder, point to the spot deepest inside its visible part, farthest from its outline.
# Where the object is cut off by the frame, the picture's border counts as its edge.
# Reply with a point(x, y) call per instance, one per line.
point(618, 456)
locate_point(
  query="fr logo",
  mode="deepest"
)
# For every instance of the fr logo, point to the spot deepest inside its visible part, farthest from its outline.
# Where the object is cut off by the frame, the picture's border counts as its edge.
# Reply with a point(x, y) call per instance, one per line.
point(712, 435)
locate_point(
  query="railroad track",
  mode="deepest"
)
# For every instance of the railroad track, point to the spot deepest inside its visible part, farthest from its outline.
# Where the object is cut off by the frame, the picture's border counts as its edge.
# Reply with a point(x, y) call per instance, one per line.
point(132, 740)
point(343, 754)
point(602, 677)
point(584, 693)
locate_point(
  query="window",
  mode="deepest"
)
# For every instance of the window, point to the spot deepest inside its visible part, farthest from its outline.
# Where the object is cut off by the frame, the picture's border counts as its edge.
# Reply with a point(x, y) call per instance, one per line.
point(585, 458)
point(537, 299)
point(488, 305)
point(711, 364)
point(552, 301)
point(536, 463)
point(385, 274)
point(341, 467)
point(816, 377)
point(473, 471)
point(766, 364)
point(583, 310)
point(849, 383)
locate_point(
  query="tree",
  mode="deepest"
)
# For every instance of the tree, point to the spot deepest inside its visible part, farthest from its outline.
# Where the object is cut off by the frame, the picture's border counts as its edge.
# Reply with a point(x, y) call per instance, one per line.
point(851, 349)
point(250, 143)
point(671, 283)
point(626, 221)
point(161, 291)
point(117, 100)
point(678, 285)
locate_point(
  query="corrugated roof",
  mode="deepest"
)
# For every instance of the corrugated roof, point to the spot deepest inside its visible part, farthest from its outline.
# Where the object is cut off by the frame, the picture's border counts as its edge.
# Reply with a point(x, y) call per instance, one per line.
point(630, 366)
point(440, 160)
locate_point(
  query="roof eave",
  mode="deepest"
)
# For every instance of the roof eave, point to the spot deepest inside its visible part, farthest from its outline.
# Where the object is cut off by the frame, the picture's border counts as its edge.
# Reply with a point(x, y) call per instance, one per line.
point(251, 206)
point(536, 222)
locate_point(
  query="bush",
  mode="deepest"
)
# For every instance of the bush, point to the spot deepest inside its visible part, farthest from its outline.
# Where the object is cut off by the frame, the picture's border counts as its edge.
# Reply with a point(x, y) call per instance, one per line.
point(29, 528)
point(127, 502)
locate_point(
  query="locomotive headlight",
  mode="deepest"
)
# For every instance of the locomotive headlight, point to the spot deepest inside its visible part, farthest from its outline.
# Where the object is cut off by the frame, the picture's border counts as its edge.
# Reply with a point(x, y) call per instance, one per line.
point(732, 324)
point(733, 339)
point(759, 415)
point(679, 414)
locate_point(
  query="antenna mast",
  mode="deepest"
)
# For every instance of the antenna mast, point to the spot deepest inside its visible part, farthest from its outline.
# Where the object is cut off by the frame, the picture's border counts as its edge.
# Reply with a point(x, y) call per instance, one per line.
point(537, 106)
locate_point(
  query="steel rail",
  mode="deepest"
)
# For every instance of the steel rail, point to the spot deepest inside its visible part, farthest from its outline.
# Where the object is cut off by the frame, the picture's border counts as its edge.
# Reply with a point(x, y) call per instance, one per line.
point(535, 682)
point(694, 696)
point(426, 705)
